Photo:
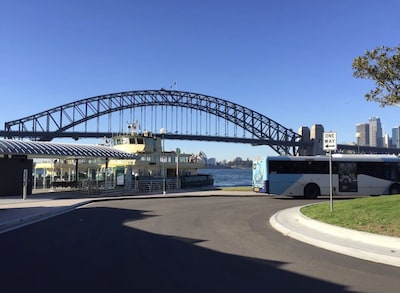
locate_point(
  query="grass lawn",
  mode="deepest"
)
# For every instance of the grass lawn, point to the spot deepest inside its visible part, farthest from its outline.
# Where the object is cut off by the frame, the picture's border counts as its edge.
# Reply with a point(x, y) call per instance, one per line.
point(380, 215)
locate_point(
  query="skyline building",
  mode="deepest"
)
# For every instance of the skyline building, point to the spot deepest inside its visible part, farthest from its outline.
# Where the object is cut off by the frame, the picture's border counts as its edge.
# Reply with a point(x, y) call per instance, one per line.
point(362, 134)
point(375, 132)
point(316, 134)
point(387, 141)
point(304, 131)
point(396, 137)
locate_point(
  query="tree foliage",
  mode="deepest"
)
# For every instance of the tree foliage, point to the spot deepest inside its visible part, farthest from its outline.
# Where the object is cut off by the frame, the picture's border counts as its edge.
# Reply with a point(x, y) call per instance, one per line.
point(383, 66)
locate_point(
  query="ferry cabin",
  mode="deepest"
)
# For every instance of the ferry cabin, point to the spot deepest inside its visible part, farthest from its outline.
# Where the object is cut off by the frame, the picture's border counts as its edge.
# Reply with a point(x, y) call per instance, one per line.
point(152, 160)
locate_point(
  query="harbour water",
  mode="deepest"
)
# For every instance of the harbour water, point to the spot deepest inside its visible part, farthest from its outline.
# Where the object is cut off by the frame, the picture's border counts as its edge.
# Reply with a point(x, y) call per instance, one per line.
point(229, 177)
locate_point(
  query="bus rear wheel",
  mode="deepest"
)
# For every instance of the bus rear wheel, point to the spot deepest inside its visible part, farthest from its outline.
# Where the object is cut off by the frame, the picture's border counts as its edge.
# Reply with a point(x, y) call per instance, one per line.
point(311, 190)
point(394, 189)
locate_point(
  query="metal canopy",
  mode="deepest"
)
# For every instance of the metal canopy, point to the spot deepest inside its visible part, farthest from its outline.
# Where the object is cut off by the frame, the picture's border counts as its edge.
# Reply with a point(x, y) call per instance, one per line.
point(36, 149)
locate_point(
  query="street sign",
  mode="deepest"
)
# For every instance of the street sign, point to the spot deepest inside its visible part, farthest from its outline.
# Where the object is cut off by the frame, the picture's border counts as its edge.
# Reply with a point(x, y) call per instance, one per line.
point(330, 142)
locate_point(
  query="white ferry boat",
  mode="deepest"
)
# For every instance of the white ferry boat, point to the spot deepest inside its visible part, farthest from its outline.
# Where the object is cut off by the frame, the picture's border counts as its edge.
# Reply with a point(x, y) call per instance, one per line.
point(153, 161)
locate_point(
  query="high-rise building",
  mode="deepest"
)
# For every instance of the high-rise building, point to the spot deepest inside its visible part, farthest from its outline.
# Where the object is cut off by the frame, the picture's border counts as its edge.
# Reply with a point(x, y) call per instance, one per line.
point(362, 134)
point(386, 141)
point(316, 135)
point(375, 132)
point(396, 137)
point(304, 131)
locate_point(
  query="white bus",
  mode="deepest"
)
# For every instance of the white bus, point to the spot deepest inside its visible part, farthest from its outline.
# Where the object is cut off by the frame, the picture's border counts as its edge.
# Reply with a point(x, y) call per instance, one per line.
point(308, 176)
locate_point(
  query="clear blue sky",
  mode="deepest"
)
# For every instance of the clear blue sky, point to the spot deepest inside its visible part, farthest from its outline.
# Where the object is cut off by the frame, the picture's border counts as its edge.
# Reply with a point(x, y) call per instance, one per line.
point(289, 60)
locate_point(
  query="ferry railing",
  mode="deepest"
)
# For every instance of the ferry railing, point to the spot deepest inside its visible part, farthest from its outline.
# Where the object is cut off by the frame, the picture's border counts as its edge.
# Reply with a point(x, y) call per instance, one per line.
point(110, 188)
point(156, 185)
point(135, 187)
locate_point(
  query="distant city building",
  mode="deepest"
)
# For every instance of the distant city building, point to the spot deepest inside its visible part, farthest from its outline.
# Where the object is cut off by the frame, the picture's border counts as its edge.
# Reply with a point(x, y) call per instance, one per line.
point(304, 131)
point(387, 141)
point(396, 137)
point(375, 132)
point(317, 133)
point(362, 134)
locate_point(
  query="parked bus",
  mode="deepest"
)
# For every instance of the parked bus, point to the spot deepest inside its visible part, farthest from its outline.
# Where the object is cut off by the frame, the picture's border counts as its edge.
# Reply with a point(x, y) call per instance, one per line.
point(308, 176)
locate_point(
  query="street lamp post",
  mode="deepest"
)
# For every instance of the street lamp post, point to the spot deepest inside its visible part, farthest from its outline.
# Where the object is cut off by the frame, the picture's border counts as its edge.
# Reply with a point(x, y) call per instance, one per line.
point(178, 152)
point(358, 135)
point(163, 131)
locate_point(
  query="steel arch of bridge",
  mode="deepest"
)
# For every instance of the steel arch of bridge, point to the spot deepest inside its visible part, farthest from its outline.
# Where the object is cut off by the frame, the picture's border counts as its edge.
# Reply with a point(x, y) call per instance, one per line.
point(60, 120)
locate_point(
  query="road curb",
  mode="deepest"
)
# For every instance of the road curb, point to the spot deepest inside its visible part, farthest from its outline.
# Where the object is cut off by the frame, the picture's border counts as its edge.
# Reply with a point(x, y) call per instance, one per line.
point(381, 249)
point(364, 237)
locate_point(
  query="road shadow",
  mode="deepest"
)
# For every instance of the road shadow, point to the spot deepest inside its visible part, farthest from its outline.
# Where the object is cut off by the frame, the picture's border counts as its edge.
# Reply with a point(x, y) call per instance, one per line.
point(95, 250)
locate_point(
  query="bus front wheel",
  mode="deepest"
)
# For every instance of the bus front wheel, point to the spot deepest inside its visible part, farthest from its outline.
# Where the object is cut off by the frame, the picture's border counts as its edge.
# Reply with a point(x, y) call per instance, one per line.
point(394, 189)
point(312, 190)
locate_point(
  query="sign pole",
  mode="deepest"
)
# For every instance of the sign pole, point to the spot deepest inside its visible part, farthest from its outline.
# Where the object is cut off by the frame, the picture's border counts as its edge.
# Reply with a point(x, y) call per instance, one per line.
point(330, 181)
point(330, 144)
point(24, 183)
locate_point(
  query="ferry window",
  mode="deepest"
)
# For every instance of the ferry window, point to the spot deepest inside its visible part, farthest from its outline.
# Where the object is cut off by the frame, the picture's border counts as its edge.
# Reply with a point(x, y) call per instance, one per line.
point(132, 140)
point(150, 143)
point(118, 141)
point(140, 140)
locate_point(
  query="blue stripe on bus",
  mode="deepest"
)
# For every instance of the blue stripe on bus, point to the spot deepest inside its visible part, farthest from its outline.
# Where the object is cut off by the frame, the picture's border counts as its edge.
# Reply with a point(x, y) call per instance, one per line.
point(278, 183)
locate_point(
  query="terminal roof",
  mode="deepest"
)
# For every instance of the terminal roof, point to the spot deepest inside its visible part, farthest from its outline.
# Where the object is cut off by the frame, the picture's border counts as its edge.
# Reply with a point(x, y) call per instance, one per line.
point(40, 149)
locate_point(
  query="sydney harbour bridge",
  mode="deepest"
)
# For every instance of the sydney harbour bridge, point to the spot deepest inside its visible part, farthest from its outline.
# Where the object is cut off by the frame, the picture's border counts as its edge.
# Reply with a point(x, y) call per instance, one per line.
point(184, 116)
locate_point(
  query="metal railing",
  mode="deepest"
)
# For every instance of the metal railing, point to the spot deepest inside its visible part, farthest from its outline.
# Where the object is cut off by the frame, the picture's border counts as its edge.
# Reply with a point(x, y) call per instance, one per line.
point(142, 186)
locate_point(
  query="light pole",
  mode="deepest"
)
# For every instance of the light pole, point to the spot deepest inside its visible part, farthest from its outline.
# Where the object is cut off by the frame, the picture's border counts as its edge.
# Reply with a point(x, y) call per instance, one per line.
point(163, 131)
point(178, 152)
point(358, 135)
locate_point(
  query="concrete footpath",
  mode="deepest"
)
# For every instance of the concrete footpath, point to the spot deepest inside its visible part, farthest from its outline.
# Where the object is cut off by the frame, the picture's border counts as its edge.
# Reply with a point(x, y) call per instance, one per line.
point(16, 212)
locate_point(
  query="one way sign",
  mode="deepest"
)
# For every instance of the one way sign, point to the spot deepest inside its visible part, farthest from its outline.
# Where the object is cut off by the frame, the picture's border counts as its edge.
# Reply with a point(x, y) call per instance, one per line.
point(330, 143)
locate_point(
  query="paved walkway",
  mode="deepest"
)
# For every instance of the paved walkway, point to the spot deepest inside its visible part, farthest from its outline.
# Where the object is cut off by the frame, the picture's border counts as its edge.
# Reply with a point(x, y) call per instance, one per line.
point(16, 212)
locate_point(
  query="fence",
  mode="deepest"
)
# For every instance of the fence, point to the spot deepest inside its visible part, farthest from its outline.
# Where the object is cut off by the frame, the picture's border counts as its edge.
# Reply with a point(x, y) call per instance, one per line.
point(142, 186)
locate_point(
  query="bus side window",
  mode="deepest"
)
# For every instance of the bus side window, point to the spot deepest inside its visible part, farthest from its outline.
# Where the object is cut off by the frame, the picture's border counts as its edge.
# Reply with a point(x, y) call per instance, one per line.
point(397, 172)
point(274, 167)
point(394, 171)
point(335, 167)
point(391, 171)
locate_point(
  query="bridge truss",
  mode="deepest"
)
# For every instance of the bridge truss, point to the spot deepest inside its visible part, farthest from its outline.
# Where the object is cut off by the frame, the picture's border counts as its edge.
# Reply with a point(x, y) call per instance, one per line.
point(184, 115)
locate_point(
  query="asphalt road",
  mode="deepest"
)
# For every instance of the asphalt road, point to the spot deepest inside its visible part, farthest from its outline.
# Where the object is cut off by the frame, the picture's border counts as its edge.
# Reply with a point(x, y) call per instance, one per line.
point(208, 244)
